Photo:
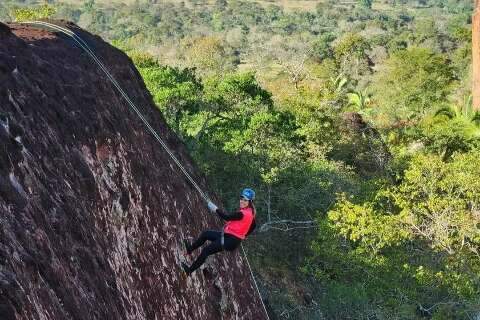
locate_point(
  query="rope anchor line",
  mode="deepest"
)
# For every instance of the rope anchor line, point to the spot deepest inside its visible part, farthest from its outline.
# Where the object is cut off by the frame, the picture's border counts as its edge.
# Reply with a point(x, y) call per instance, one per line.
point(83, 45)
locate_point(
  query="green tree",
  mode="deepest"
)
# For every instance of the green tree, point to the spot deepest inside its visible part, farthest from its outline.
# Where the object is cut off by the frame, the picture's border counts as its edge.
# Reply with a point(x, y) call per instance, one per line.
point(464, 111)
point(322, 47)
point(351, 55)
point(452, 129)
point(439, 202)
point(365, 3)
point(398, 247)
point(426, 30)
point(209, 55)
point(413, 82)
point(229, 103)
point(89, 6)
point(175, 91)
point(360, 101)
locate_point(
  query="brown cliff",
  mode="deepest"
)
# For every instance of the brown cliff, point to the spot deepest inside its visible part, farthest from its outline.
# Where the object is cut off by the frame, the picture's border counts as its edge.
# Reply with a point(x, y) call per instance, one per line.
point(92, 209)
point(476, 55)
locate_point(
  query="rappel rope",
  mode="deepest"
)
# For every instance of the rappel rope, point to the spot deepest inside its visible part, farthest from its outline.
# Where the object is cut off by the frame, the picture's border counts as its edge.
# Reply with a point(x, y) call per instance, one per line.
point(87, 49)
point(83, 45)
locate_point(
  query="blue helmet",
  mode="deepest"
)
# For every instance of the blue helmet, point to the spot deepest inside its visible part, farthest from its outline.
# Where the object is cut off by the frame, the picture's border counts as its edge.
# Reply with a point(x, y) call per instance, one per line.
point(248, 194)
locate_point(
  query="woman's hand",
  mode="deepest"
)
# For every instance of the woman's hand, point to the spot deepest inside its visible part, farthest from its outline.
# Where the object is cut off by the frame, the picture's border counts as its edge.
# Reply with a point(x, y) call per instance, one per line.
point(212, 207)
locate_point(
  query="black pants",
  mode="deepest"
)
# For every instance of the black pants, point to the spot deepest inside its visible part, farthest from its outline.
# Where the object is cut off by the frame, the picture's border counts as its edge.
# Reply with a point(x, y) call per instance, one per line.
point(230, 243)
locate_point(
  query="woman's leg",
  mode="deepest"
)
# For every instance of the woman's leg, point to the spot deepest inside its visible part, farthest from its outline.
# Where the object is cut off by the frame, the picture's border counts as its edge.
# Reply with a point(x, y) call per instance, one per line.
point(212, 248)
point(206, 235)
point(231, 242)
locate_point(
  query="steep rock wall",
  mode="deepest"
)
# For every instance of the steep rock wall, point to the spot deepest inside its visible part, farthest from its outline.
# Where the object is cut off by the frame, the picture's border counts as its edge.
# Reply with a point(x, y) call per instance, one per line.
point(92, 210)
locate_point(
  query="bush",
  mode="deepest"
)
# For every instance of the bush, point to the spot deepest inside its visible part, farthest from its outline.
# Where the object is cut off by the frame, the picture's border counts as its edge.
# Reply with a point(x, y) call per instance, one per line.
point(34, 13)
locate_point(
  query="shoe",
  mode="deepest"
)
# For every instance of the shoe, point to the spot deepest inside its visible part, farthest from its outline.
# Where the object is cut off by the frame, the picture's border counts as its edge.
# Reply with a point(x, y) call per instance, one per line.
point(186, 268)
point(188, 247)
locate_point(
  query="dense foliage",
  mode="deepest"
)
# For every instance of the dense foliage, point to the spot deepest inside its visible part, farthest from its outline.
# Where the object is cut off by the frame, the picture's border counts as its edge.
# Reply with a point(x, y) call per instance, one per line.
point(353, 122)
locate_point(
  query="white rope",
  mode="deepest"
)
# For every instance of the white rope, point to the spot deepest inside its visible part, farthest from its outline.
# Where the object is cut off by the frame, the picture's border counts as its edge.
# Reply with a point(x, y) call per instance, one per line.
point(83, 45)
point(255, 281)
point(87, 49)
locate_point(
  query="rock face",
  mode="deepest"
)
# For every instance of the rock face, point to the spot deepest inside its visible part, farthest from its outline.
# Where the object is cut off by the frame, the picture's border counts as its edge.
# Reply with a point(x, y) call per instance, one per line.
point(92, 209)
point(476, 55)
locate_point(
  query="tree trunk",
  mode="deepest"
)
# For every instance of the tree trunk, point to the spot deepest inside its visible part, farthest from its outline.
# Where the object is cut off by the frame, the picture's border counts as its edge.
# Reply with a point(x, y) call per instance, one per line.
point(269, 203)
point(476, 55)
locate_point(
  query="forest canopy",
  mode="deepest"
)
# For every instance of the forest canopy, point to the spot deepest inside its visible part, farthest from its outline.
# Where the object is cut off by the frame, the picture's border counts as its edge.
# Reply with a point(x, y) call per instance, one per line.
point(354, 123)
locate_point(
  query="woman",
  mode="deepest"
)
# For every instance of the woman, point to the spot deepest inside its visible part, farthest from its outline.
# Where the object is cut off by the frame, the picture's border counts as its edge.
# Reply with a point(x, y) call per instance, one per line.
point(239, 224)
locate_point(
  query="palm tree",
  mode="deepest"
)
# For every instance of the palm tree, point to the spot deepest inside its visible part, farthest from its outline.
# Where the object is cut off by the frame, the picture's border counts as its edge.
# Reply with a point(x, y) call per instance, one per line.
point(339, 83)
point(465, 114)
point(455, 128)
point(360, 101)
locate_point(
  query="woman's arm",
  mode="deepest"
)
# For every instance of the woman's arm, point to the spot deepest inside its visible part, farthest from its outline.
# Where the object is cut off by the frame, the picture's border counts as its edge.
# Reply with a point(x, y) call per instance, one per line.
point(238, 215)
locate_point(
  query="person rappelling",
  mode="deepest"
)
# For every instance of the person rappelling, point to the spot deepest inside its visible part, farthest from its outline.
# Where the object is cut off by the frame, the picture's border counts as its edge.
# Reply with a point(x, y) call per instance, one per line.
point(238, 226)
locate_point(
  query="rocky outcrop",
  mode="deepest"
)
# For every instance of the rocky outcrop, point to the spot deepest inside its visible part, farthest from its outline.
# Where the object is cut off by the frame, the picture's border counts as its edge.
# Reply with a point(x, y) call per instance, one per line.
point(92, 210)
point(476, 55)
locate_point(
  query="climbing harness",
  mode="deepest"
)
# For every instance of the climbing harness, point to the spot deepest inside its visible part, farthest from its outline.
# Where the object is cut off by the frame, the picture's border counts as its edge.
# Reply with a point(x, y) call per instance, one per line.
point(83, 45)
